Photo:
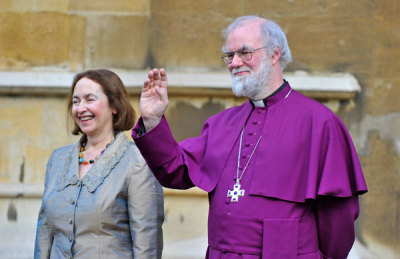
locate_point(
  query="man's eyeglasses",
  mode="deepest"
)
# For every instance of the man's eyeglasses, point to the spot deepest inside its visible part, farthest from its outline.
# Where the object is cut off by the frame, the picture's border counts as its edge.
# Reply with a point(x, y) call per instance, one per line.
point(244, 55)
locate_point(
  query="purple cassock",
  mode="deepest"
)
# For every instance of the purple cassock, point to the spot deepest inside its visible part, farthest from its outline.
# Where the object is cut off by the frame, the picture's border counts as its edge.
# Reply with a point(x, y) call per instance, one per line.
point(299, 182)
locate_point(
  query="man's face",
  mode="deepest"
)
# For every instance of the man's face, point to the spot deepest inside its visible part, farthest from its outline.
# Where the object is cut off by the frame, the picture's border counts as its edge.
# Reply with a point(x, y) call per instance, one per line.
point(249, 77)
point(246, 37)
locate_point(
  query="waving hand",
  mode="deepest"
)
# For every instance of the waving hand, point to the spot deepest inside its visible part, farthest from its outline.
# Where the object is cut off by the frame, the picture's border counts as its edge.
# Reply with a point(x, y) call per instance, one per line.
point(154, 98)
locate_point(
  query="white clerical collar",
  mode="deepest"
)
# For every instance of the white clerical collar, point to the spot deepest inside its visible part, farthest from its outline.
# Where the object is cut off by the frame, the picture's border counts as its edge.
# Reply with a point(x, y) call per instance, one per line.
point(259, 103)
point(262, 103)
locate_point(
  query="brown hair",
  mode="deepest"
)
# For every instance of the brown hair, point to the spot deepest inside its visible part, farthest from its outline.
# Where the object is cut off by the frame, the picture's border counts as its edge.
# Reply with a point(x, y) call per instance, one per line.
point(117, 96)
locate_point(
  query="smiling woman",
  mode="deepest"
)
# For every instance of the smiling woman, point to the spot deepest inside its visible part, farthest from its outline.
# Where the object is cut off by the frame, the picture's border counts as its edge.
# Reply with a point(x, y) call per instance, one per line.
point(113, 89)
point(92, 113)
point(100, 197)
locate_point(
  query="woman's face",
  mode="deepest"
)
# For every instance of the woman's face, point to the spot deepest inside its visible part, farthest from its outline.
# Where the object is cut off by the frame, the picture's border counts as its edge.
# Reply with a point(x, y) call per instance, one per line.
point(91, 109)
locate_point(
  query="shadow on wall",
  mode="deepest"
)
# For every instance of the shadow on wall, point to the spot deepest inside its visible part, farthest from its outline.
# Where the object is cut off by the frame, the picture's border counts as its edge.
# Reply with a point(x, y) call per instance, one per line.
point(186, 120)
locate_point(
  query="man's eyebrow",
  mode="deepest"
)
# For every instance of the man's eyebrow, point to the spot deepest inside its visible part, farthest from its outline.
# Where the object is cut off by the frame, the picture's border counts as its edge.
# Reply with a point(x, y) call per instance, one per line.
point(243, 48)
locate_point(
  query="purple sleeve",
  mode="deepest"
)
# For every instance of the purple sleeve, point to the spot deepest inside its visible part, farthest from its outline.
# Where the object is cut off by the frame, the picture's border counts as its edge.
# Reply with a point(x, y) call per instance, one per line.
point(170, 161)
point(335, 220)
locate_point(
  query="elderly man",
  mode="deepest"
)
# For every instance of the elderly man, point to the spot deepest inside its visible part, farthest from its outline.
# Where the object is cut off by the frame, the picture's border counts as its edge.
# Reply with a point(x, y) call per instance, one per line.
point(281, 171)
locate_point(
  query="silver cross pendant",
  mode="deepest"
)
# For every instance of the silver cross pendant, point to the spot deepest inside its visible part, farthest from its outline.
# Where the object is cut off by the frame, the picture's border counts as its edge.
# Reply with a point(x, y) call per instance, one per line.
point(236, 192)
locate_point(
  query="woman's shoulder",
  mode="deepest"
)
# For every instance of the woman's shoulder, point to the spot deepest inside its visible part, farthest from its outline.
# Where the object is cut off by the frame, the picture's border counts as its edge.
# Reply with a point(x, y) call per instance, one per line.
point(61, 153)
point(133, 153)
point(58, 161)
point(65, 148)
point(126, 150)
point(140, 172)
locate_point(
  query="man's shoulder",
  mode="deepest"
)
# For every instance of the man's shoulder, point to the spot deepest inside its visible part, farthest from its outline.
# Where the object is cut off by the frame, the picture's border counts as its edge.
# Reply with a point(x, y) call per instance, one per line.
point(310, 107)
point(227, 118)
point(229, 113)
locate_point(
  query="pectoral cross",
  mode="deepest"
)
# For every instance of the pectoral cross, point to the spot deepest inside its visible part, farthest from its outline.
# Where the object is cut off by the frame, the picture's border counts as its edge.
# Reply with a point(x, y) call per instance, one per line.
point(236, 192)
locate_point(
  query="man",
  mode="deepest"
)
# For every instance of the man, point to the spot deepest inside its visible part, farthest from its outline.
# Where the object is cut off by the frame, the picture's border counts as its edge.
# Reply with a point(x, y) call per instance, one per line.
point(281, 171)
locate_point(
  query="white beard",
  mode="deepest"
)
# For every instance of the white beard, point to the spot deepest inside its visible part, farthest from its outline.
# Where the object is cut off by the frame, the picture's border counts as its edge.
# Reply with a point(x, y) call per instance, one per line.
point(254, 84)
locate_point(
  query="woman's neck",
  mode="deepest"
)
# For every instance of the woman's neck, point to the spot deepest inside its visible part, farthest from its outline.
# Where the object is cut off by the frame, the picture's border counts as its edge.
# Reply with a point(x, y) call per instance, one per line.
point(99, 142)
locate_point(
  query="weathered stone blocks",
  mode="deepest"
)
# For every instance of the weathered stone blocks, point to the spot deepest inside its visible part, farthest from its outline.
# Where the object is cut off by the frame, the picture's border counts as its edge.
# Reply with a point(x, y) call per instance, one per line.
point(36, 39)
point(117, 41)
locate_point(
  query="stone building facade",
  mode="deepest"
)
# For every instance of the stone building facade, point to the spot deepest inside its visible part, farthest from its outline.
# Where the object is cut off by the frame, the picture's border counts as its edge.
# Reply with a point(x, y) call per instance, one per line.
point(346, 54)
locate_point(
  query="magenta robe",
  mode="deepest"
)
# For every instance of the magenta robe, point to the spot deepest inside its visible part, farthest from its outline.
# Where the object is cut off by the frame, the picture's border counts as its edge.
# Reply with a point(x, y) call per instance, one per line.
point(301, 185)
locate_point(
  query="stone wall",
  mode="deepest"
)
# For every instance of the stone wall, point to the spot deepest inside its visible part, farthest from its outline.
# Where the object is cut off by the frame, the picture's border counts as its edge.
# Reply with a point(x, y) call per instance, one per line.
point(73, 34)
point(357, 37)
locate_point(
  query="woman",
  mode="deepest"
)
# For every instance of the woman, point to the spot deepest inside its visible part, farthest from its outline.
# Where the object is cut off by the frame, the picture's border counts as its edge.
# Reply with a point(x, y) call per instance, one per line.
point(100, 198)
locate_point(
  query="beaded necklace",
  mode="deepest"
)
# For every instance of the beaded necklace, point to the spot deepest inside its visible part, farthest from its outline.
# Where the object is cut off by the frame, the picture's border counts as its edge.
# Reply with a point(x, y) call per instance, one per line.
point(85, 162)
point(91, 161)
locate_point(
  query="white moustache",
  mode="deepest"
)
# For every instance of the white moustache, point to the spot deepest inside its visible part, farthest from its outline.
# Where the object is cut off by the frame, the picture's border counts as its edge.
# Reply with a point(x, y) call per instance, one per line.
point(242, 69)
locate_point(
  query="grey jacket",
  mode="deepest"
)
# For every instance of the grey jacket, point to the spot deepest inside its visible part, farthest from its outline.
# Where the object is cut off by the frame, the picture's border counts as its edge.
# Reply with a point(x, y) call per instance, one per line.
point(115, 211)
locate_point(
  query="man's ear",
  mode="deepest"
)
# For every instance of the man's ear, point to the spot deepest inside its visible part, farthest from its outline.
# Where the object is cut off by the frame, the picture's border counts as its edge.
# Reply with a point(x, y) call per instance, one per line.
point(277, 56)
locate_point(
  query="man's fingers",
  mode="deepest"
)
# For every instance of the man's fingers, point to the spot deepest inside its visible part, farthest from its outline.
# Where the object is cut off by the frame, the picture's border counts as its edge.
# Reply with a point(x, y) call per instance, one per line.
point(156, 74)
point(163, 75)
point(150, 75)
point(147, 84)
point(156, 78)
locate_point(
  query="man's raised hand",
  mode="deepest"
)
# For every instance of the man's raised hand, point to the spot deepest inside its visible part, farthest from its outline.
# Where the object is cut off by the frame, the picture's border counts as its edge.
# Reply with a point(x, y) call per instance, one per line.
point(154, 98)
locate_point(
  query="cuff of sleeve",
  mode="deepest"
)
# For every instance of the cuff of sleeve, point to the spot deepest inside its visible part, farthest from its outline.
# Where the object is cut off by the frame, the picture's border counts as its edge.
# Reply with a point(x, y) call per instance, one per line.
point(156, 145)
point(327, 257)
point(139, 129)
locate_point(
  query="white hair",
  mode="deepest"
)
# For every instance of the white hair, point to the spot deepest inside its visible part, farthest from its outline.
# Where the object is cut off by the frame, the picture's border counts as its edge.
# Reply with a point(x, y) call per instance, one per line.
point(273, 36)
